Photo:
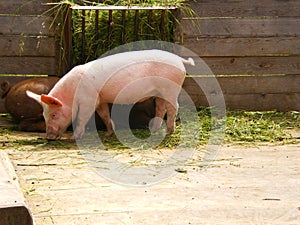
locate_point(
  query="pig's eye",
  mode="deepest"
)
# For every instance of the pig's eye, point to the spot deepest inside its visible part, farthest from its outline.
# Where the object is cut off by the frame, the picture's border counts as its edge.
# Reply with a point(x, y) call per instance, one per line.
point(53, 115)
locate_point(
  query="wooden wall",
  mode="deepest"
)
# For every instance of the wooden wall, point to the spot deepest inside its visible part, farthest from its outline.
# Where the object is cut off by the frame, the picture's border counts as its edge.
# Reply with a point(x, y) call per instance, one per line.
point(27, 44)
point(252, 46)
point(258, 39)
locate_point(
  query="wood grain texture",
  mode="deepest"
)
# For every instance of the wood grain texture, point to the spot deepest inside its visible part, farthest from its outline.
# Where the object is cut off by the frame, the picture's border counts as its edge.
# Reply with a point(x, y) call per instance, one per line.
point(247, 84)
point(240, 27)
point(252, 102)
point(29, 65)
point(12, 203)
point(26, 25)
point(242, 8)
point(24, 7)
point(247, 46)
point(250, 65)
point(27, 46)
point(280, 93)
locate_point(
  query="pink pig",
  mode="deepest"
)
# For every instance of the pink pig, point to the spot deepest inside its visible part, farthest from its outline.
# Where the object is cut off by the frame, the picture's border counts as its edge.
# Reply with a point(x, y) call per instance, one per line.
point(123, 78)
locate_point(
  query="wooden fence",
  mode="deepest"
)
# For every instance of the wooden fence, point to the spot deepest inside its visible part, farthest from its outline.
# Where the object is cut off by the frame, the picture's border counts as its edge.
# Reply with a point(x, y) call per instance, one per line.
point(28, 44)
point(252, 46)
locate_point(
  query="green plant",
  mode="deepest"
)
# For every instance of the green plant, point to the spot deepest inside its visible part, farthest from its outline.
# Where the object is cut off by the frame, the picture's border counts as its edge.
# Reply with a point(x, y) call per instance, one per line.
point(242, 127)
point(112, 30)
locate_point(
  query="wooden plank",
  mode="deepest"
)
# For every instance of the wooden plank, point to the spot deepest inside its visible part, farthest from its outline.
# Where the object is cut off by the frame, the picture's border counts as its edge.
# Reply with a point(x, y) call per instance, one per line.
point(24, 7)
point(29, 25)
point(13, 210)
point(253, 93)
point(27, 46)
point(219, 46)
point(253, 102)
point(242, 8)
point(251, 65)
point(240, 27)
point(279, 102)
point(29, 65)
point(247, 84)
point(119, 7)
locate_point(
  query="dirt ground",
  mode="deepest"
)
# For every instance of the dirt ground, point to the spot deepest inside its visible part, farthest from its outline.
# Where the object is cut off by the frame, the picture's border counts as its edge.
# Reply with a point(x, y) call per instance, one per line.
point(243, 185)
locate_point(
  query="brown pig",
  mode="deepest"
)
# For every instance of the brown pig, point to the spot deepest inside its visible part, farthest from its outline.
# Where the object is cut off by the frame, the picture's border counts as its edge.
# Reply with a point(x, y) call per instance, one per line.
point(24, 110)
point(123, 78)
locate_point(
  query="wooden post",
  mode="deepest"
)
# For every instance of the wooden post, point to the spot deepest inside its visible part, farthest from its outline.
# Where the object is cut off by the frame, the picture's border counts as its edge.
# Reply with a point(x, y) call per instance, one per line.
point(66, 58)
point(13, 210)
point(177, 30)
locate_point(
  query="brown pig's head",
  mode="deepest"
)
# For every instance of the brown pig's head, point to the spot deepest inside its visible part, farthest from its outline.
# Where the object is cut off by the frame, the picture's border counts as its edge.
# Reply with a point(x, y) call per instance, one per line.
point(58, 116)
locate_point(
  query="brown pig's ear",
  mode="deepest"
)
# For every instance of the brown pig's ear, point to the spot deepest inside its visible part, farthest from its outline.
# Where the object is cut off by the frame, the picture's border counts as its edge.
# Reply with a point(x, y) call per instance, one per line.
point(51, 101)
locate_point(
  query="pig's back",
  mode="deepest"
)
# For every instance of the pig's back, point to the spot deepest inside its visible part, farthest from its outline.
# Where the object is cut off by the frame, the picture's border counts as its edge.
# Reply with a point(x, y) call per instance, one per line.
point(127, 58)
point(99, 71)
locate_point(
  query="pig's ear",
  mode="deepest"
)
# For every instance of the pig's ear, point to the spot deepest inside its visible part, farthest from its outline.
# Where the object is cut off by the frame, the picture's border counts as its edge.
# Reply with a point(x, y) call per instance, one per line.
point(34, 96)
point(51, 101)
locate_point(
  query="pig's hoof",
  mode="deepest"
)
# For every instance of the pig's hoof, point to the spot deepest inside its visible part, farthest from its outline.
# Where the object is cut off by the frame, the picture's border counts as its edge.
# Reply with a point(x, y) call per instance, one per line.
point(76, 137)
point(170, 130)
point(71, 139)
point(155, 124)
point(79, 132)
point(108, 133)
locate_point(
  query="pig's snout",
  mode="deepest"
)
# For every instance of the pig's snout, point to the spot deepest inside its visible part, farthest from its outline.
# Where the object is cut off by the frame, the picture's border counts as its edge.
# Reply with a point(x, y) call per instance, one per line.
point(52, 133)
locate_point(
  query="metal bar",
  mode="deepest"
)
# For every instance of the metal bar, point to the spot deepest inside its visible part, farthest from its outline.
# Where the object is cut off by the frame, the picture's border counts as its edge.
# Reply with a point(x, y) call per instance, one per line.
point(149, 21)
point(162, 24)
point(110, 24)
point(97, 24)
point(123, 34)
point(96, 30)
point(136, 25)
point(83, 36)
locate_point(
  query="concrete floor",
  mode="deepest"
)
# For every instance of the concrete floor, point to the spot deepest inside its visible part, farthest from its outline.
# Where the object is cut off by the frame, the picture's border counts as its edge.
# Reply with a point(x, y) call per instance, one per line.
point(244, 185)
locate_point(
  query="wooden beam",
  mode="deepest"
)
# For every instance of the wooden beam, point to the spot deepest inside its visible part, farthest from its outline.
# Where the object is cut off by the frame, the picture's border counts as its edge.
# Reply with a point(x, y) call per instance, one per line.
point(24, 7)
point(17, 45)
point(13, 209)
point(27, 25)
point(113, 7)
point(240, 27)
point(246, 46)
point(245, 8)
point(29, 65)
point(249, 65)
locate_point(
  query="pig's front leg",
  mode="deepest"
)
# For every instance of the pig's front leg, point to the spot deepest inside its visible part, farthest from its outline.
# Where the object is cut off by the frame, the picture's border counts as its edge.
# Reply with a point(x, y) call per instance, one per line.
point(103, 112)
point(84, 114)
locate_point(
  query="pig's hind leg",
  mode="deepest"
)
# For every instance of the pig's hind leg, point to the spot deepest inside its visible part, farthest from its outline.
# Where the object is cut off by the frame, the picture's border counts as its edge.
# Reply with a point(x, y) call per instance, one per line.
point(172, 109)
point(103, 112)
point(162, 107)
point(160, 111)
